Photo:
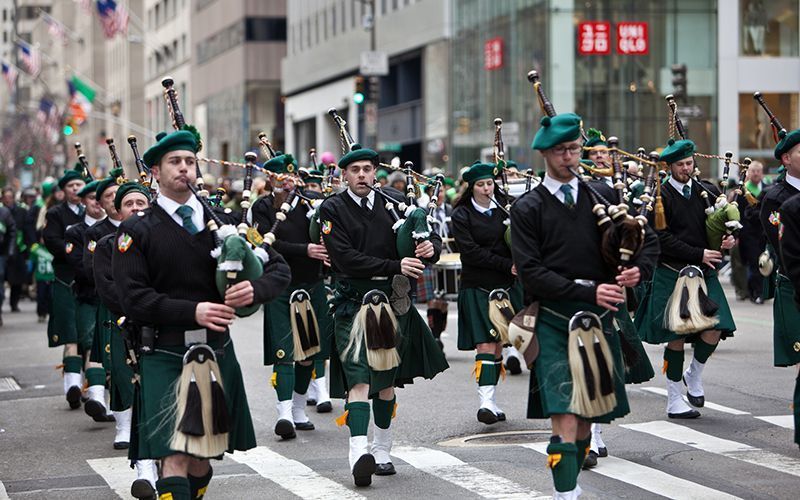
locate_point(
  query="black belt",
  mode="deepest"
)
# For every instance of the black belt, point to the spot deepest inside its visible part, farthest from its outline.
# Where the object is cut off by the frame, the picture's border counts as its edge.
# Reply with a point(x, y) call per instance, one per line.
point(172, 337)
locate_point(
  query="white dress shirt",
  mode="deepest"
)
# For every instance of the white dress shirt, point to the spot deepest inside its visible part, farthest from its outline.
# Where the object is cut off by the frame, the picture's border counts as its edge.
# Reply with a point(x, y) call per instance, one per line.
point(678, 185)
point(554, 187)
point(370, 198)
point(171, 207)
point(793, 181)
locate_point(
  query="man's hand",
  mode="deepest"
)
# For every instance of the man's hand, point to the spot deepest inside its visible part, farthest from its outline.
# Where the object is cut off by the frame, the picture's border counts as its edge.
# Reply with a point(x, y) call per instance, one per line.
point(609, 296)
point(728, 242)
point(629, 277)
point(412, 267)
point(216, 317)
point(424, 250)
point(711, 257)
point(514, 269)
point(239, 295)
point(318, 252)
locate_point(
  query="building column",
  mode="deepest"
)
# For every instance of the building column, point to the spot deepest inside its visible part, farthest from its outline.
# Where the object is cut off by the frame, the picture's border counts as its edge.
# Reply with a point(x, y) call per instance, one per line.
point(560, 75)
point(728, 33)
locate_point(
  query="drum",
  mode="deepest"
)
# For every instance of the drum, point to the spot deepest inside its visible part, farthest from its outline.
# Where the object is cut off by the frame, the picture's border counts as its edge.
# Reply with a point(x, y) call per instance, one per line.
point(448, 275)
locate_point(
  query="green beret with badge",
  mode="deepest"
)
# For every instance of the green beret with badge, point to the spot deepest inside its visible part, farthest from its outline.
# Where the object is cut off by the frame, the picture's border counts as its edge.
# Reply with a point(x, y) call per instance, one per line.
point(595, 139)
point(787, 142)
point(88, 189)
point(180, 140)
point(127, 188)
point(479, 171)
point(76, 174)
point(313, 177)
point(557, 129)
point(112, 180)
point(281, 164)
point(358, 153)
point(677, 150)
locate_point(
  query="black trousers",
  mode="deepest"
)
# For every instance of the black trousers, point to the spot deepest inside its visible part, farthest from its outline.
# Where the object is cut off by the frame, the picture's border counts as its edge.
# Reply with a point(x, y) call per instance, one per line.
point(43, 291)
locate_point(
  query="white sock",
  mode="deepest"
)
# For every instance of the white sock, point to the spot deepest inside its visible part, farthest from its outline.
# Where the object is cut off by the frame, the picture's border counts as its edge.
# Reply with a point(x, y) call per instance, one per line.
point(123, 426)
point(299, 408)
point(675, 401)
point(382, 445)
point(285, 410)
point(359, 446)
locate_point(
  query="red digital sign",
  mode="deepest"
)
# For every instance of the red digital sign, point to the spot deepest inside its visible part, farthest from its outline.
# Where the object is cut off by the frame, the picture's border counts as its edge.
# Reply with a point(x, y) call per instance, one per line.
point(493, 54)
point(594, 38)
point(632, 39)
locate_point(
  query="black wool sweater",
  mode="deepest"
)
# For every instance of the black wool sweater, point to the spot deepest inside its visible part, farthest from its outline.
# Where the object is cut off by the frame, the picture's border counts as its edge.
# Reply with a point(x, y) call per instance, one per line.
point(790, 242)
point(485, 256)
point(770, 201)
point(93, 235)
point(684, 240)
point(165, 271)
point(103, 274)
point(57, 220)
point(75, 242)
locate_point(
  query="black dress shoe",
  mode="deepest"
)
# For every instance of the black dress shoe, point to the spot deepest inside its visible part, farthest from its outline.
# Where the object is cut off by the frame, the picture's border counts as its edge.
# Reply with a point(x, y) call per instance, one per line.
point(513, 365)
point(696, 401)
point(363, 470)
point(501, 417)
point(325, 407)
point(487, 416)
point(74, 397)
point(386, 469)
point(602, 452)
point(590, 460)
point(121, 445)
point(143, 490)
point(311, 402)
point(285, 429)
point(304, 426)
point(685, 415)
point(97, 411)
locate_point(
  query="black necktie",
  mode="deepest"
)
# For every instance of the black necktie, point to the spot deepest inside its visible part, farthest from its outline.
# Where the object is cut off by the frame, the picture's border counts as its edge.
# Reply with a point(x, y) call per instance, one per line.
point(365, 203)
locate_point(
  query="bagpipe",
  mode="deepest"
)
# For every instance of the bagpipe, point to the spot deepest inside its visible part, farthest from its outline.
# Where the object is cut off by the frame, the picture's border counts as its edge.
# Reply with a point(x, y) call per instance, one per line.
point(179, 123)
point(145, 176)
point(87, 173)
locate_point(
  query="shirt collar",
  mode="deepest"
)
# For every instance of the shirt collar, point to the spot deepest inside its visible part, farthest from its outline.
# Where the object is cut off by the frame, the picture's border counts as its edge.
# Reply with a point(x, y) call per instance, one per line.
point(171, 206)
point(679, 185)
point(115, 222)
point(481, 209)
point(793, 181)
point(75, 208)
point(554, 186)
point(90, 221)
point(356, 198)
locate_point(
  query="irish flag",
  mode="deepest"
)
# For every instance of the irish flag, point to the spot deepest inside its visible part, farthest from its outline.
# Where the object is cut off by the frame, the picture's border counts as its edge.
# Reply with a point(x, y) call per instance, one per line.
point(81, 98)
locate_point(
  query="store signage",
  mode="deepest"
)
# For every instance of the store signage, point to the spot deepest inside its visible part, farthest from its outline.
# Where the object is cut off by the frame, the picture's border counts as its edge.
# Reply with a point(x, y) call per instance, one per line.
point(374, 63)
point(493, 54)
point(632, 39)
point(594, 38)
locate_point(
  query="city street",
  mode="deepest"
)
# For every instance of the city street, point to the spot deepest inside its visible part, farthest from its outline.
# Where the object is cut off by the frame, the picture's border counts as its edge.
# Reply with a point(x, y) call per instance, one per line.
point(740, 447)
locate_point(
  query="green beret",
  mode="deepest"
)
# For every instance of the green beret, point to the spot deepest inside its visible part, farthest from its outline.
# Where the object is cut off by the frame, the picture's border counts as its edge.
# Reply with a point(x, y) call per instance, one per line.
point(313, 176)
point(281, 164)
point(130, 187)
point(47, 188)
point(677, 150)
point(88, 189)
point(478, 171)
point(511, 164)
point(180, 140)
point(382, 174)
point(595, 138)
point(109, 181)
point(787, 142)
point(76, 174)
point(358, 153)
point(560, 128)
point(449, 181)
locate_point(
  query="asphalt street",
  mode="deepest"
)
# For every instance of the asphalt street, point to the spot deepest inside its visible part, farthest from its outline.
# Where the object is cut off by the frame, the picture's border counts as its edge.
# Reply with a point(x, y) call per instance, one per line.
point(740, 447)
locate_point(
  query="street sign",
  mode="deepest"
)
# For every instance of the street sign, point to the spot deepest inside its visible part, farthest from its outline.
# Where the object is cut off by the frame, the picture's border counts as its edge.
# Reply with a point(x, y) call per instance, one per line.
point(632, 39)
point(374, 63)
point(692, 111)
point(594, 38)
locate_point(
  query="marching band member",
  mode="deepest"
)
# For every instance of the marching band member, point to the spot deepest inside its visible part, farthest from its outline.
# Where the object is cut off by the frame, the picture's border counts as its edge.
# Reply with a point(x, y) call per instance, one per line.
point(479, 227)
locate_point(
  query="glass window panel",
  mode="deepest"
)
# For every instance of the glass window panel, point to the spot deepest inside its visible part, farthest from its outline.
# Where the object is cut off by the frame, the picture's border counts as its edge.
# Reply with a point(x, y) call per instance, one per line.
point(769, 28)
point(756, 138)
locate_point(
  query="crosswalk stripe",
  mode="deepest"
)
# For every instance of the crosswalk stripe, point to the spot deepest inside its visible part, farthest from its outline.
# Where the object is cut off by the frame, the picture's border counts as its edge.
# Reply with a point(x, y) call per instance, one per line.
point(731, 449)
point(709, 405)
point(647, 478)
point(786, 421)
point(116, 472)
point(292, 475)
point(3, 493)
point(451, 469)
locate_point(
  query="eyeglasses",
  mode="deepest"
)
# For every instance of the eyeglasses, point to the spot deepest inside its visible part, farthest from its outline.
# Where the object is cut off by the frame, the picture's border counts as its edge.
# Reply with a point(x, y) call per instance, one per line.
point(573, 150)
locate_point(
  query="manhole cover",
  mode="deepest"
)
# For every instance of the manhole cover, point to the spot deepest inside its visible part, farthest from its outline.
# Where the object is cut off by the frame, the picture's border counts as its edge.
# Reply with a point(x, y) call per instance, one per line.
point(8, 384)
point(499, 438)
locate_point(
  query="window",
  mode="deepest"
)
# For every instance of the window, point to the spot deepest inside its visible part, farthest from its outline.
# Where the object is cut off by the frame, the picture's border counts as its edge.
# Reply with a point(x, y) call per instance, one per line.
point(769, 28)
point(265, 29)
point(756, 138)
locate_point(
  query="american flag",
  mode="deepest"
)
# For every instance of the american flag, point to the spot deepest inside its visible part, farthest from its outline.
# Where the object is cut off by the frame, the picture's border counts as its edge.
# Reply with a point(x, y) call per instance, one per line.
point(56, 29)
point(113, 17)
point(10, 74)
point(31, 60)
point(48, 118)
point(85, 4)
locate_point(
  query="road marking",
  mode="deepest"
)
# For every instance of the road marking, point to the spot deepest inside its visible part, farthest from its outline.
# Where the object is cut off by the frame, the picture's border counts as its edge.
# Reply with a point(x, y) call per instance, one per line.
point(3, 494)
point(647, 478)
point(8, 384)
point(292, 475)
point(449, 468)
point(731, 449)
point(786, 421)
point(710, 406)
point(116, 472)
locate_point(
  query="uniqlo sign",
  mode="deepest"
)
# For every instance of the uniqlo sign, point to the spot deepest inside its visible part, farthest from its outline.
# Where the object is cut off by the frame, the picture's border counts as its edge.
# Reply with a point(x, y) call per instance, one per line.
point(632, 39)
point(493, 53)
point(594, 38)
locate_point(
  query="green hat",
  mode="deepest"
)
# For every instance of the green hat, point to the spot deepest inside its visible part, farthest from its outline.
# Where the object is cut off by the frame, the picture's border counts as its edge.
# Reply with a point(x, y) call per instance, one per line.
point(382, 174)
point(88, 189)
point(478, 171)
point(596, 138)
point(180, 140)
point(560, 128)
point(313, 176)
point(130, 187)
point(109, 181)
point(47, 188)
point(677, 150)
point(511, 164)
point(449, 182)
point(357, 153)
point(787, 142)
point(281, 163)
point(76, 174)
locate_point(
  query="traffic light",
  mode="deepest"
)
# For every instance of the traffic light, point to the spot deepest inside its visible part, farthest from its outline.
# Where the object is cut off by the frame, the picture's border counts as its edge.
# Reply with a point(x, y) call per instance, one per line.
point(29, 160)
point(358, 93)
point(68, 130)
point(679, 84)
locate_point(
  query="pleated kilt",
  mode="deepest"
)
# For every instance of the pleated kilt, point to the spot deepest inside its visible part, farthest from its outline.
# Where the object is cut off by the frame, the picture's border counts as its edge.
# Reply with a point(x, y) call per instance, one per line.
point(61, 325)
point(641, 370)
point(786, 324)
point(474, 326)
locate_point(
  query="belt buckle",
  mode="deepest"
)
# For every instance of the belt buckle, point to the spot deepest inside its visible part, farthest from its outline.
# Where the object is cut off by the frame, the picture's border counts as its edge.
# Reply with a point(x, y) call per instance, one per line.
point(588, 283)
point(199, 336)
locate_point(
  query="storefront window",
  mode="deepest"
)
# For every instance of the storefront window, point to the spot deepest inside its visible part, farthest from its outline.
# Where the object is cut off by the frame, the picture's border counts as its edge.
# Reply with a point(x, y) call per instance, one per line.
point(756, 138)
point(769, 27)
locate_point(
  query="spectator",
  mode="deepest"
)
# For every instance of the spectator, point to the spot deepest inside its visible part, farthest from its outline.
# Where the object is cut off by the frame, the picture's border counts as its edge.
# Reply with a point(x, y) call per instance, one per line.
point(17, 262)
point(8, 240)
point(751, 237)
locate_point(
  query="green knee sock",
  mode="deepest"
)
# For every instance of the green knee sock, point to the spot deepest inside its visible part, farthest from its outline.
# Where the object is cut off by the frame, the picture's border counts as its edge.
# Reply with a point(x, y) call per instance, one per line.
point(485, 369)
point(673, 364)
point(73, 364)
point(383, 411)
point(498, 369)
point(283, 380)
point(319, 368)
point(561, 459)
point(173, 488)
point(583, 449)
point(702, 350)
point(357, 418)
point(302, 377)
point(796, 410)
point(96, 376)
point(199, 485)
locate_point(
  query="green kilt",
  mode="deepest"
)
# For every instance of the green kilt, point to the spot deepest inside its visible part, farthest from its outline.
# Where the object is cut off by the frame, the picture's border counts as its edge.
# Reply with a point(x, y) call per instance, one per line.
point(101, 348)
point(61, 327)
point(121, 372)
point(156, 396)
point(420, 355)
point(650, 316)
point(86, 324)
point(473, 315)
point(786, 324)
point(278, 341)
point(638, 370)
point(551, 381)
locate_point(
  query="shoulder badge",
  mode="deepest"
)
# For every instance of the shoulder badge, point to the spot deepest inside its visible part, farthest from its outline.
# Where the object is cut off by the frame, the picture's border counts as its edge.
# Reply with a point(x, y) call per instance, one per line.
point(69, 248)
point(124, 242)
point(92, 245)
point(327, 226)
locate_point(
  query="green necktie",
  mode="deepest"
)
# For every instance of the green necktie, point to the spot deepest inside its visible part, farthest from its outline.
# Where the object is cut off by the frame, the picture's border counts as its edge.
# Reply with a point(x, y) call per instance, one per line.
point(568, 199)
point(687, 191)
point(185, 212)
